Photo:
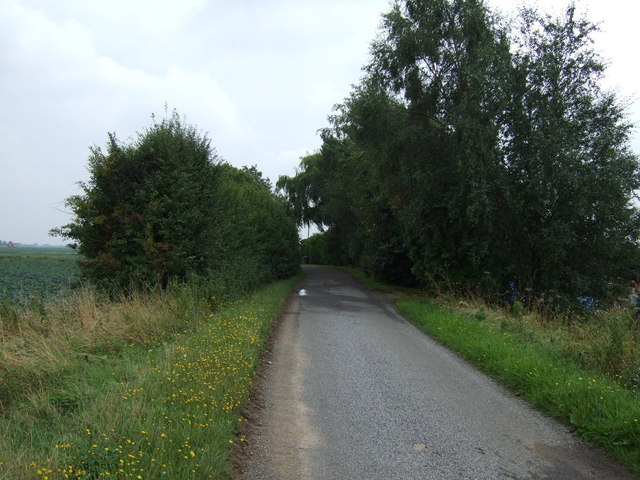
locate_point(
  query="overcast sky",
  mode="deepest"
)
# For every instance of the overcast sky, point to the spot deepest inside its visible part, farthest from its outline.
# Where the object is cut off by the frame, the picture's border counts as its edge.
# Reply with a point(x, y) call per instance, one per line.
point(258, 76)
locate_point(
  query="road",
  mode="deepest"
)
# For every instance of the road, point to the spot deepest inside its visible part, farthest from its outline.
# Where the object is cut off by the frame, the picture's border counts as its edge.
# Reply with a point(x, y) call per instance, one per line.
point(354, 392)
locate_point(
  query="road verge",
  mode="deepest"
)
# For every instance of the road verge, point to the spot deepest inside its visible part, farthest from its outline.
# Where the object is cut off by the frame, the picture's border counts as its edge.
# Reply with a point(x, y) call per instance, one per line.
point(597, 406)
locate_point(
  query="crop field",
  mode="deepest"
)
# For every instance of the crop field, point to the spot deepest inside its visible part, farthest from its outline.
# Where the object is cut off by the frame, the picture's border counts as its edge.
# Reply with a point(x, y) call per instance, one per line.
point(28, 272)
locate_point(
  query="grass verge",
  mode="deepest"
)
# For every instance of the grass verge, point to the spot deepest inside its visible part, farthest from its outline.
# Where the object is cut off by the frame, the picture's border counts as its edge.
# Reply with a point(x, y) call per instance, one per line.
point(166, 408)
point(598, 408)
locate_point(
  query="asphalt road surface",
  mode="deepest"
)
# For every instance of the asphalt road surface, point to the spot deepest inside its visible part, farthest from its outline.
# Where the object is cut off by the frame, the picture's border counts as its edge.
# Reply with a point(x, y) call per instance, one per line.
point(354, 392)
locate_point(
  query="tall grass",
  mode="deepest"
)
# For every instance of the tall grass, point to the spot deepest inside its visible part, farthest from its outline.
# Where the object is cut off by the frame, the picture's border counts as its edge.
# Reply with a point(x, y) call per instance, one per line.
point(40, 340)
point(604, 342)
point(149, 386)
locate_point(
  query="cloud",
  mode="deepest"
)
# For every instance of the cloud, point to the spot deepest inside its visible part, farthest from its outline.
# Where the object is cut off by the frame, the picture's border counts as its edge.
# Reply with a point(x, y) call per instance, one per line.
point(61, 96)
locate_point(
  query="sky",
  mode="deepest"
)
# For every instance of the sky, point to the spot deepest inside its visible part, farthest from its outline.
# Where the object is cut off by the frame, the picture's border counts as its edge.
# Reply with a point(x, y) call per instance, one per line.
point(259, 77)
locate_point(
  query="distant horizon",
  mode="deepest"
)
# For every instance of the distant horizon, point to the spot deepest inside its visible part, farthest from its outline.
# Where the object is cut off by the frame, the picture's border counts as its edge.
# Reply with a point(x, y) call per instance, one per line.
point(4, 243)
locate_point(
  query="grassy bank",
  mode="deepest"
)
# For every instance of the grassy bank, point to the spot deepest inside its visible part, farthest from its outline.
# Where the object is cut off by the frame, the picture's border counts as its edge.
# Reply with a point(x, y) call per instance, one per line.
point(595, 405)
point(583, 373)
point(158, 402)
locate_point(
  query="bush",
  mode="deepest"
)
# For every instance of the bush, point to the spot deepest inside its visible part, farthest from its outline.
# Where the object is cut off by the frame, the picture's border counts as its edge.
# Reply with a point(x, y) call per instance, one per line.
point(316, 248)
point(166, 208)
point(144, 217)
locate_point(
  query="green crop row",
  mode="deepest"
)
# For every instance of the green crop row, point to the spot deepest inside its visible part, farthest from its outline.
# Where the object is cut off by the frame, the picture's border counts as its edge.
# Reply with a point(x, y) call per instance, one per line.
point(27, 273)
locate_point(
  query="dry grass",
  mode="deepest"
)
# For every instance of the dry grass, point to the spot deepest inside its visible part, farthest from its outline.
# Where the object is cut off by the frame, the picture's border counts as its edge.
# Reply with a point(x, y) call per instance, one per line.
point(606, 342)
point(40, 340)
point(121, 398)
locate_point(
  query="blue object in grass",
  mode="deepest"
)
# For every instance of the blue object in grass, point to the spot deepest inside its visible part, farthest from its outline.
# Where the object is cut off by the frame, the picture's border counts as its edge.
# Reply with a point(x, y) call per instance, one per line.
point(589, 304)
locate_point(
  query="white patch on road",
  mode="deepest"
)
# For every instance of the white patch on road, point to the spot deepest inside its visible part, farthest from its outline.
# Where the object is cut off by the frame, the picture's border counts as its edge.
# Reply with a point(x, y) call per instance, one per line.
point(419, 447)
point(302, 292)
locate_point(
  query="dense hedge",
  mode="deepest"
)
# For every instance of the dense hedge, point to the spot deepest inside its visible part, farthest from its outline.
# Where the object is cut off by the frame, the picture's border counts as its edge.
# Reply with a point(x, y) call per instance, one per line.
point(165, 207)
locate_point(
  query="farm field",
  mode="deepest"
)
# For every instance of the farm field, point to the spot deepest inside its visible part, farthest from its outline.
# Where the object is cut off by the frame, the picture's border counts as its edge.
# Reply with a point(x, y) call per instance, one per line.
point(28, 272)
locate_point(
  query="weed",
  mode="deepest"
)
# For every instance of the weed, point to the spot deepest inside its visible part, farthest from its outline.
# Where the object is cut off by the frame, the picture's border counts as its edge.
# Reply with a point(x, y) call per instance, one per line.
point(480, 314)
point(9, 314)
point(65, 402)
point(630, 376)
point(517, 309)
point(615, 351)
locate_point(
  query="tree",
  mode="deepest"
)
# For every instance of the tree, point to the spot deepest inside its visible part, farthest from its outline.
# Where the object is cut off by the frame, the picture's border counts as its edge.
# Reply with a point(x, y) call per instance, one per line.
point(571, 173)
point(165, 208)
point(381, 136)
point(144, 215)
point(479, 155)
point(320, 193)
point(447, 60)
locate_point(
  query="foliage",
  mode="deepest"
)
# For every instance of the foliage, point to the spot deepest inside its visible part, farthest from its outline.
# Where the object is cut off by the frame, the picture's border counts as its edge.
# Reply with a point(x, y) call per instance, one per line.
point(167, 208)
point(316, 248)
point(344, 184)
point(571, 173)
point(144, 215)
point(452, 86)
point(256, 238)
point(478, 156)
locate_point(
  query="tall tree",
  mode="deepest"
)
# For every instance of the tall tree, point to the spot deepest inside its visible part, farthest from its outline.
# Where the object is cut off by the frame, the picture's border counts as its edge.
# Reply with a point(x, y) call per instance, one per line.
point(480, 155)
point(447, 59)
point(382, 139)
point(322, 193)
point(572, 175)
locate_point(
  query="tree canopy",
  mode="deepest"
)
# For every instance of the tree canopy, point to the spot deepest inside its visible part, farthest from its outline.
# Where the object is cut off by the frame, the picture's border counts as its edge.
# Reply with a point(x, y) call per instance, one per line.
point(478, 153)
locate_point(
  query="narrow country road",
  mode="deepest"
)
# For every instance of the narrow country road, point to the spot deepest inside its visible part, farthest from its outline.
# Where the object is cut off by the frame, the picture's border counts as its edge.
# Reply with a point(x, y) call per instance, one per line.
point(354, 392)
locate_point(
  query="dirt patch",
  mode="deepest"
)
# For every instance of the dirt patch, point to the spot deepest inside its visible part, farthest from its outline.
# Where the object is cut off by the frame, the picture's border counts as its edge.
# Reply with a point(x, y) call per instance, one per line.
point(245, 446)
point(277, 433)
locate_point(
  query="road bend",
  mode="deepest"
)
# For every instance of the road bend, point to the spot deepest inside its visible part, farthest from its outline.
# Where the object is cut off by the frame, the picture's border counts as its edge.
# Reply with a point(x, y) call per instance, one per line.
point(354, 392)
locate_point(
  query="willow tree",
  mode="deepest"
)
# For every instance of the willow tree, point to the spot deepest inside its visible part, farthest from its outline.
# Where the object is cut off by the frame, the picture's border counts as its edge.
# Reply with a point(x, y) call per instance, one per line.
point(572, 176)
point(448, 61)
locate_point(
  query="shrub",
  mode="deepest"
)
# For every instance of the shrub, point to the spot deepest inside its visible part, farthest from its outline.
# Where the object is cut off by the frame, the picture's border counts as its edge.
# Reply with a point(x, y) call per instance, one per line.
point(166, 208)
